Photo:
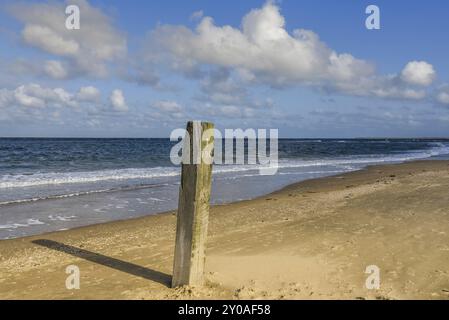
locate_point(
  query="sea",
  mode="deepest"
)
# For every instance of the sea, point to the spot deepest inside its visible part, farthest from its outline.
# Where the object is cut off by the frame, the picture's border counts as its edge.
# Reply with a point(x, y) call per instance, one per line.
point(49, 184)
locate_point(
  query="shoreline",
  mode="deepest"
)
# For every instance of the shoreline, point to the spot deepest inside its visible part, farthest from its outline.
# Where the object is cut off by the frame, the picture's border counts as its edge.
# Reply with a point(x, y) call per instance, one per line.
point(171, 212)
point(281, 245)
point(87, 193)
point(212, 205)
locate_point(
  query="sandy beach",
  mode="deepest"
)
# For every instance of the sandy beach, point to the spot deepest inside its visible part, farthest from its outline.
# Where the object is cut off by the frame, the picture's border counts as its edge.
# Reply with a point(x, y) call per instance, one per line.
point(311, 240)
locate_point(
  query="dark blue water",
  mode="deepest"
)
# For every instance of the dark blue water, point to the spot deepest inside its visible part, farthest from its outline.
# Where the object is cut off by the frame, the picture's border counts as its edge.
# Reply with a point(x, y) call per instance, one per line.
point(53, 184)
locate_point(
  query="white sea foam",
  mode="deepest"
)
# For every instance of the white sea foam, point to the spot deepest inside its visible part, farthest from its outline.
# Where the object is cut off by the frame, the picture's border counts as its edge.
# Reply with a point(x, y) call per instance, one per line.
point(28, 223)
point(55, 178)
point(61, 218)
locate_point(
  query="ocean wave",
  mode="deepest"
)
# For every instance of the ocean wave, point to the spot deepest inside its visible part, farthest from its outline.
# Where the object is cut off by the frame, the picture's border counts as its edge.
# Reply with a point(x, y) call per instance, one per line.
point(82, 193)
point(57, 178)
point(28, 223)
point(61, 218)
point(70, 178)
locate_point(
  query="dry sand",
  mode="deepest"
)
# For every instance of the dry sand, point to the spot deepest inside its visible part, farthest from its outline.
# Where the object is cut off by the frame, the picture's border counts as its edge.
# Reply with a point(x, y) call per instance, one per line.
point(311, 240)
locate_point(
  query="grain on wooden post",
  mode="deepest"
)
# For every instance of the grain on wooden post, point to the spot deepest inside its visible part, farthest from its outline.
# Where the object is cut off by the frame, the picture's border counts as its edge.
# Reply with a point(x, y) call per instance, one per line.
point(193, 208)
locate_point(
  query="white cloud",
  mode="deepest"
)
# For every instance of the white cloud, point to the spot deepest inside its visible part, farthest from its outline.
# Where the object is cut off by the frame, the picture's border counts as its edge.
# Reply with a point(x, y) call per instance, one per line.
point(443, 97)
point(118, 101)
point(394, 92)
point(34, 96)
point(262, 47)
point(418, 73)
point(5, 97)
point(167, 106)
point(24, 97)
point(89, 94)
point(88, 49)
point(49, 40)
point(136, 72)
point(55, 69)
point(167, 111)
point(230, 111)
point(197, 15)
point(220, 87)
point(264, 51)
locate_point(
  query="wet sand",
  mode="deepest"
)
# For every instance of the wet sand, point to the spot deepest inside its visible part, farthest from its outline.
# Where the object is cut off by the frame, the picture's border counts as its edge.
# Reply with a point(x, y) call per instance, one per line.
point(311, 240)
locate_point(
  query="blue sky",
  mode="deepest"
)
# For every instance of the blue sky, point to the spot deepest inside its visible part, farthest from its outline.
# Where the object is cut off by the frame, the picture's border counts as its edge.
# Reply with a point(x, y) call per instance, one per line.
point(143, 68)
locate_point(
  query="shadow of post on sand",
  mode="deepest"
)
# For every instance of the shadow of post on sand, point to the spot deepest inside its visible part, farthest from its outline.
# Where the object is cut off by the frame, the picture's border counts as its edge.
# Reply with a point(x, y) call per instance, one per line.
point(113, 263)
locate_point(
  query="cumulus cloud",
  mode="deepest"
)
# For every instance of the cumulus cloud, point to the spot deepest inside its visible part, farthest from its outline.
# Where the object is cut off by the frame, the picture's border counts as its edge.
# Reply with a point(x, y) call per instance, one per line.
point(442, 95)
point(263, 51)
point(118, 102)
point(220, 87)
point(167, 106)
point(230, 111)
point(5, 97)
point(140, 74)
point(88, 50)
point(55, 69)
point(36, 96)
point(197, 15)
point(88, 94)
point(167, 111)
point(418, 73)
point(31, 96)
point(221, 90)
point(263, 48)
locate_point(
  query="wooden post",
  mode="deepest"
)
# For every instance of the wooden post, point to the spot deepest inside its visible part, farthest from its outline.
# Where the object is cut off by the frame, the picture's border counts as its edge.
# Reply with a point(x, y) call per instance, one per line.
point(193, 208)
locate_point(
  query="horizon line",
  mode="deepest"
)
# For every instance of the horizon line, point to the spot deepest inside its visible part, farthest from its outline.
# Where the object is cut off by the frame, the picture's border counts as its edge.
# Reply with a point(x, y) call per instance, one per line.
point(305, 138)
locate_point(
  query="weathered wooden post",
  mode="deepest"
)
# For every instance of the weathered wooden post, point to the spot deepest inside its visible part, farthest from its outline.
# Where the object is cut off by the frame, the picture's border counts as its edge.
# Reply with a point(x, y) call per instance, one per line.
point(193, 208)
